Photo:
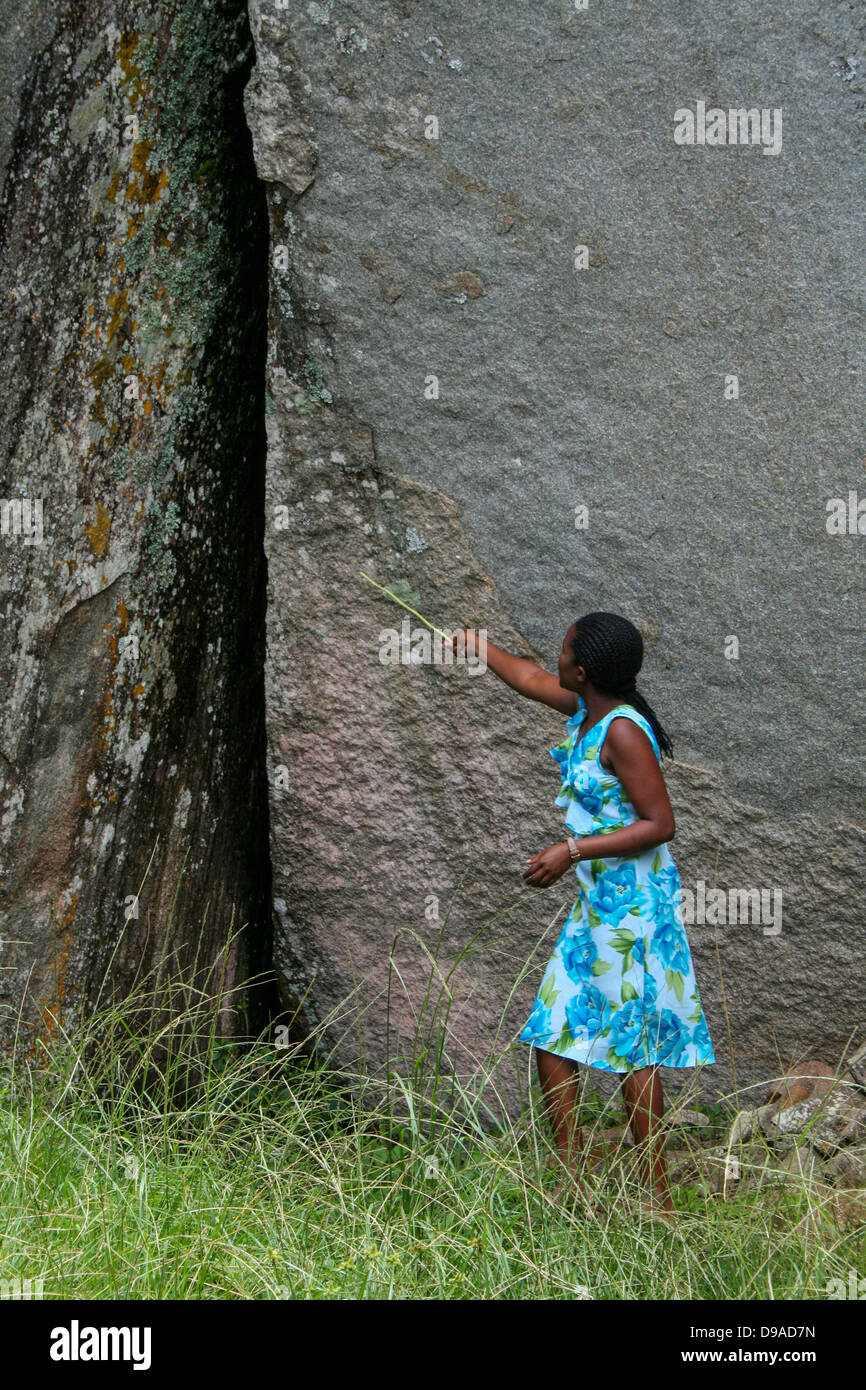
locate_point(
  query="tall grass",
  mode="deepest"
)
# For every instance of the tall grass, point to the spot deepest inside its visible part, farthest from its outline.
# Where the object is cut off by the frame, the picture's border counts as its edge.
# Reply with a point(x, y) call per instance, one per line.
point(148, 1157)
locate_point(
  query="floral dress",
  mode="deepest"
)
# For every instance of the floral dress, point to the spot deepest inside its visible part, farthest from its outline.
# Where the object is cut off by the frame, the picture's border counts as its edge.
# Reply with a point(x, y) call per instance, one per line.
point(619, 991)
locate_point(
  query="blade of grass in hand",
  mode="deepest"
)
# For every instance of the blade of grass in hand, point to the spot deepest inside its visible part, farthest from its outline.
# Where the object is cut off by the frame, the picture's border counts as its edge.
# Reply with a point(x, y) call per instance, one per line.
point(446, 635)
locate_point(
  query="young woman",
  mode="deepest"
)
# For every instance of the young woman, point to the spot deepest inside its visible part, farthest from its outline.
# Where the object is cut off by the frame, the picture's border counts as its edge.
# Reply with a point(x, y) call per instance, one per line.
point(619, 992)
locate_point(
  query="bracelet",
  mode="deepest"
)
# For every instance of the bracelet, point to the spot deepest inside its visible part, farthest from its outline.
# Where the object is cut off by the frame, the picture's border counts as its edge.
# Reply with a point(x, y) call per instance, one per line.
point(573, 849)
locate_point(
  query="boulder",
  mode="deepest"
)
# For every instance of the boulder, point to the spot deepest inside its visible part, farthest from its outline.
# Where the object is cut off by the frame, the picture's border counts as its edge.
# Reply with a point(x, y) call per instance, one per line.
point(133, 249)
point(451, 382)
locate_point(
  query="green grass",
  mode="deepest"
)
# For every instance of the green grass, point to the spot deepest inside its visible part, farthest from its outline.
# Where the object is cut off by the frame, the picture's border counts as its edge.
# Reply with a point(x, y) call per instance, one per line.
point(148, 1157)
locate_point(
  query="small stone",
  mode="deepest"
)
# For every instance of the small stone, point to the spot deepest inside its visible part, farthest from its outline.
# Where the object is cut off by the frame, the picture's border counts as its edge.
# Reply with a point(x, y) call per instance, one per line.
point(743, 1127)
point(857, 1067)
point(848, 1167)
point(689, 1117)
point(808, 1079)
point(826, 1123)
point(766, 1117)
point(802, 1162)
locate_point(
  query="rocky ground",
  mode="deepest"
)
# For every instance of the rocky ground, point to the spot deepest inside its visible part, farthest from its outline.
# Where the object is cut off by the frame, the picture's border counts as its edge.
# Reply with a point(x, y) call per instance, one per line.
point(810, 1129)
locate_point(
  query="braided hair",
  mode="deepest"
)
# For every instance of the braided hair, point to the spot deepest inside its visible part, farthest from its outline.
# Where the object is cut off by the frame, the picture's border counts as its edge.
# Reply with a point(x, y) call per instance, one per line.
point(610, 650)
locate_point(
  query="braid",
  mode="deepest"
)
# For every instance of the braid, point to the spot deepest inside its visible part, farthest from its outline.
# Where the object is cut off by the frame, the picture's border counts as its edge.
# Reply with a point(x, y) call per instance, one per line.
point(610, 649)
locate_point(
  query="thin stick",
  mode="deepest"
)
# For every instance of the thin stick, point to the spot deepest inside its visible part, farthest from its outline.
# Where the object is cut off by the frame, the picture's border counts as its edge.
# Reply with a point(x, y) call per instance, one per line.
point(446, 635)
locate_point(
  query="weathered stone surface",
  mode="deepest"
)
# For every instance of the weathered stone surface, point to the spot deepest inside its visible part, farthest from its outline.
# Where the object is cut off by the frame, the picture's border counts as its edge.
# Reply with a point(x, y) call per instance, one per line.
point(806, 1079)
point(132, 254)
point(724, 1170)
point(444, 388)
point(847, 1167)
point(695, 1118)
point(801, 1165)
point(397, 258)
point(856, 1066)
point(748, 1123)
point(826, 1122)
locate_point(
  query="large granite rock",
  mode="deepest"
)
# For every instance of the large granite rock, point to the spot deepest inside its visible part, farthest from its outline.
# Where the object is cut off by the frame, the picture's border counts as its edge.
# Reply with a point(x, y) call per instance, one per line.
point(445, 388)
point(444, 380)
point(132, 263)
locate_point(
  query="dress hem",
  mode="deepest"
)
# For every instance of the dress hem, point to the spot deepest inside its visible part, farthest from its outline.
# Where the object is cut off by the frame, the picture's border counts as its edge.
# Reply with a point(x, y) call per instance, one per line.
point(618, 1071)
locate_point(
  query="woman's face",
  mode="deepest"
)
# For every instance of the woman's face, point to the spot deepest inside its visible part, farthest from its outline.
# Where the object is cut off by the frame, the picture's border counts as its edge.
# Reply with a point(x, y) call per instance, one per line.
point(571, 677)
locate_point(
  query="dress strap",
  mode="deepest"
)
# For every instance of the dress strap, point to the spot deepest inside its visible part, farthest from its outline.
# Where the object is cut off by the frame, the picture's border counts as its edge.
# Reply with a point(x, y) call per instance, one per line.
point(629, 712)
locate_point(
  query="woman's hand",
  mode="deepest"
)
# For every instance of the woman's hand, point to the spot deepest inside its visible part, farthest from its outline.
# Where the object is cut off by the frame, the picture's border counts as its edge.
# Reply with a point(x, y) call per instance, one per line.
point(465, 642)
point(548, 866)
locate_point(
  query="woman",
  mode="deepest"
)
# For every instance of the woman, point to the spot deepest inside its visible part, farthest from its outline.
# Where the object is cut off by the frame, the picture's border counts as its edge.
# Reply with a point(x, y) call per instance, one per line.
point(619, 992)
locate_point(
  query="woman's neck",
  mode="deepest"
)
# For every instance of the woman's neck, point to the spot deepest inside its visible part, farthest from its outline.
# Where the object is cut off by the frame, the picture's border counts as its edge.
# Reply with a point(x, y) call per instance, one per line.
point(597, 705)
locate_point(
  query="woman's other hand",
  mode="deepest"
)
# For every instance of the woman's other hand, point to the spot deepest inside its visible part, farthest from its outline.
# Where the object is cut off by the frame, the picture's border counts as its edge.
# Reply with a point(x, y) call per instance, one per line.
point(548, 866)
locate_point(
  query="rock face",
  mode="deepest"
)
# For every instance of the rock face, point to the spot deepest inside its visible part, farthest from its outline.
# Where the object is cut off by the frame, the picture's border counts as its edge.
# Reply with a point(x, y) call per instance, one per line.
point(431, 292)
point(450, 379)
point(133, 235)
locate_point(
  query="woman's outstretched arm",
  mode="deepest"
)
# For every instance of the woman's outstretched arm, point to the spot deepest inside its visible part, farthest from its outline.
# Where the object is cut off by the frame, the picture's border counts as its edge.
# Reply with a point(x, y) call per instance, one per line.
point(526, 677)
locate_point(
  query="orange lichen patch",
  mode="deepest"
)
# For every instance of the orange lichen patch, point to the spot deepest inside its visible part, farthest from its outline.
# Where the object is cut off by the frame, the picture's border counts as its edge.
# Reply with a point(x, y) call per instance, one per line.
point(111, 191)
point(53, 1009)
point(99, 532)
point(101, 371)
point(134, 223)
point(123, 617)
point(119, 306)
point(137, 691)
point(157, 378)
point(65, 915)
point(125, 49)
point(148, 186)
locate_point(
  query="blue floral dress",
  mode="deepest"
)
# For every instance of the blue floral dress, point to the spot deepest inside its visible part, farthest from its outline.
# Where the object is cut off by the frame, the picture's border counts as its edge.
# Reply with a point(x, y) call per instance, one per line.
point(619, 991)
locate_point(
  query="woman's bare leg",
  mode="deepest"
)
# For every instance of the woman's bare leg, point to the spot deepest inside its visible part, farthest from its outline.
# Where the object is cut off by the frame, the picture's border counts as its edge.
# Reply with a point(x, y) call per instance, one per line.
point(558, 1077)
point(645, 1107)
